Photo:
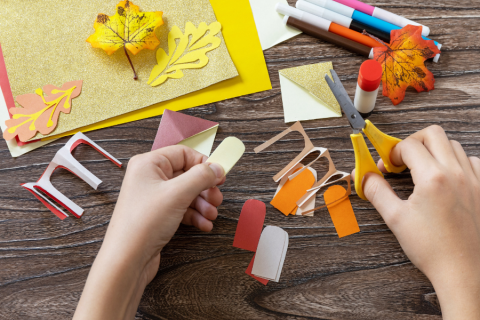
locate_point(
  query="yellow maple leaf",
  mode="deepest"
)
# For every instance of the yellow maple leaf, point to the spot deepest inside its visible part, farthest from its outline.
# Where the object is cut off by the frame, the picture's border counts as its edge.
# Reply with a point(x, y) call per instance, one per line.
point(190, 53)
point(128, 28)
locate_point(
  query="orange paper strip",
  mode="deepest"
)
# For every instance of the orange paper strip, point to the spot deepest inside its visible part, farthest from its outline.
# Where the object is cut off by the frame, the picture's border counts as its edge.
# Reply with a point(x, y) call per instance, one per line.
point(286, 199)
point(341, 212)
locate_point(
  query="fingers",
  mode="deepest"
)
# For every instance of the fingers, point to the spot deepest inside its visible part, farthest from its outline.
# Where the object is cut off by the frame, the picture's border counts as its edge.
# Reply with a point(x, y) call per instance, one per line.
point(205, 208)
point(461, 157)
point(193, 218)
point(379, 192)
point(213, 196)
point(475, 163)
point(437, 143)
point(175, 158)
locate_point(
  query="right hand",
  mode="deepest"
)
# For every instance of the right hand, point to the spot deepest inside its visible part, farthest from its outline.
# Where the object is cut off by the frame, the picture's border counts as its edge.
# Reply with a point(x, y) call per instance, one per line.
point(438, 226)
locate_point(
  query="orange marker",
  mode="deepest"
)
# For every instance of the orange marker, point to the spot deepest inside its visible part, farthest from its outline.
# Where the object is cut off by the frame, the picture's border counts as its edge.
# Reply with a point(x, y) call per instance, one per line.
point(353, 35)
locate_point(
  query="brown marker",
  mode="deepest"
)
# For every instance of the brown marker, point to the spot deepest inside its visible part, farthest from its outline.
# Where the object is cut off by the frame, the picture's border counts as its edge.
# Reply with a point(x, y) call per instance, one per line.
point(318, 33)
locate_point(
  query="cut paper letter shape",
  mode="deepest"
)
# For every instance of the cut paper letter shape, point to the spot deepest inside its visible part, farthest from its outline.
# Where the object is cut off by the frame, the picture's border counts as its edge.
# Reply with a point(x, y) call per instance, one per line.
point(178, 128)
point(292, 191)
point(249, 272)
point(250, 224)
point(64, 159)
point(306, 95)
point(270, 27)
point(271, 251)
point(40, 110)
point(190, 53)
point(341, 212)
point(228, 153)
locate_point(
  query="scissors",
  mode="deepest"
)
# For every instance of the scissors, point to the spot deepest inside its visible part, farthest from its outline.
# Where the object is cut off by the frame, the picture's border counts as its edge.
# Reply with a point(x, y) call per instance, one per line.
point(382, 142)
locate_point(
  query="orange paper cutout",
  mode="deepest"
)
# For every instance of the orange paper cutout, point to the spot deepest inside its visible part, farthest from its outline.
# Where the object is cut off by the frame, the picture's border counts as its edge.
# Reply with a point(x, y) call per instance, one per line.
point(41, 110)
point(286, 199)
point(342, 213)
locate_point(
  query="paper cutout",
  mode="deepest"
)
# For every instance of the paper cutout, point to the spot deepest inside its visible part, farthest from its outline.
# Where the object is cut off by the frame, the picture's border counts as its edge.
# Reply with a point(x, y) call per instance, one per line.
point(228, 153)
point(286, 199)
point(299, 104)
point(178, 128)
point(310, 204)
point(311, 98)
point(403, 62)
point(40, 113)
point(270, 27)
point(190, 53)
point(250, 224)
point(341, 213)
point(271, 251)
point(128, 28)
point(106, 77)
point(309, 148)
point(249, 272)
point(43, 188)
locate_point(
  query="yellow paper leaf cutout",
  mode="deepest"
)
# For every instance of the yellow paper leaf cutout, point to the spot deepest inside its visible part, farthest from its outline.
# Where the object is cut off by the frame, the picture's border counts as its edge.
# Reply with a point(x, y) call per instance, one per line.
point(187, 51)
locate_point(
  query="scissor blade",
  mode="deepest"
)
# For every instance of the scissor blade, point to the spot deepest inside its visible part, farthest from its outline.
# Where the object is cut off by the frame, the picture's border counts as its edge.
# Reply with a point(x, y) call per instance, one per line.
point(353, 116)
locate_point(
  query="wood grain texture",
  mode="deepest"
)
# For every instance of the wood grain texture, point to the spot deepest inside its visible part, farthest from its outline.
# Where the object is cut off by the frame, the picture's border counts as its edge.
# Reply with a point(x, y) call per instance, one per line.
point(44, 261)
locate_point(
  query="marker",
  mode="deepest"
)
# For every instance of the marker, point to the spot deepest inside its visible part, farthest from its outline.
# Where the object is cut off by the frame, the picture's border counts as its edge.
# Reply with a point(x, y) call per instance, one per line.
point(321, 34)
point(368, 83)
point(342, 17)
point(327, 25)
point(382, 14)
point(373, 22)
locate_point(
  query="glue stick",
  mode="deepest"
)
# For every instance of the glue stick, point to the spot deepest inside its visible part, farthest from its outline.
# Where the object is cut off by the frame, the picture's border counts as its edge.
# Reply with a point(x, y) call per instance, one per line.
point(369, 78)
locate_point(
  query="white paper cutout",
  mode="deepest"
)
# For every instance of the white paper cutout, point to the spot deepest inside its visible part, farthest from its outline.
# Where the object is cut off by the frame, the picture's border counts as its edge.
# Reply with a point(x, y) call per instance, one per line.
point(64, 159)
point(270, 255)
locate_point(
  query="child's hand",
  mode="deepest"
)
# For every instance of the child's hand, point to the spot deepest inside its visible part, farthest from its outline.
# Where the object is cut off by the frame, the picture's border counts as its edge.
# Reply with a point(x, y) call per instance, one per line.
point(438, 226)
point(161, 189)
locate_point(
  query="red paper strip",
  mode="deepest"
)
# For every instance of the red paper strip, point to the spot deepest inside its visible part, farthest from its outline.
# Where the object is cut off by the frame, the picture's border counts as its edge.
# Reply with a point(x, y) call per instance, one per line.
point(249, 272)
point(250, 224)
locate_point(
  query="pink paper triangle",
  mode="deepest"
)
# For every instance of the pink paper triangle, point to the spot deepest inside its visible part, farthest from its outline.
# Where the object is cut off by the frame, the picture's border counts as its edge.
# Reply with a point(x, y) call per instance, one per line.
point(176, 127)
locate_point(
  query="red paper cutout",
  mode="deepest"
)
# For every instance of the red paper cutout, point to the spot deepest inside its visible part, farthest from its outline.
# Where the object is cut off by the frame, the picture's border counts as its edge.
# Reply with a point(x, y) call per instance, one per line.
point(250, 224)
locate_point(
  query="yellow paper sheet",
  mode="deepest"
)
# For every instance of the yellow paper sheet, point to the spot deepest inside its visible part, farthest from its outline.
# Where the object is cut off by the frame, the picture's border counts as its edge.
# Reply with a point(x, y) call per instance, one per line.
point(241, 38)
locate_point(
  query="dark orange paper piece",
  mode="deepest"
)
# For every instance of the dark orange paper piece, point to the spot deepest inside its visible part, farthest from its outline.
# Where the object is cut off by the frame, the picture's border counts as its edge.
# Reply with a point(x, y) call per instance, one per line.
point(341, 212)
point(286, 199)
point(40, 110)
point(403, 62)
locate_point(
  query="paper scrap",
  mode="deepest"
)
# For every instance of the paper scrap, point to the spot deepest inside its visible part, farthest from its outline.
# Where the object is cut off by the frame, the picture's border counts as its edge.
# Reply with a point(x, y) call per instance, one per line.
point(228, 153)
point(64, 159)
point(40, 110)
point(309, 96)
point(250, 224)
point(190, 53)
point(271, 251)
point(285, 200)
point(107, 79)
point(249, 272)
point(341, 212)
point(270, 27)
point(178, 128)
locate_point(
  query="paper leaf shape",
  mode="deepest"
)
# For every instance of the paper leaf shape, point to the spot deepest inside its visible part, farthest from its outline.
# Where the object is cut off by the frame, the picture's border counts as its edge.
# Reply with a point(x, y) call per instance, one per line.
point(128, 28)
point(403, 62)
point(40, 113)
point(189, 52)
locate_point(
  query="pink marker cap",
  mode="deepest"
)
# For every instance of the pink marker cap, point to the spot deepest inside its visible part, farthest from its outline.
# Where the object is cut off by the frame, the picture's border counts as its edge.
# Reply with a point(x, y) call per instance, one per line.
point(357, 5)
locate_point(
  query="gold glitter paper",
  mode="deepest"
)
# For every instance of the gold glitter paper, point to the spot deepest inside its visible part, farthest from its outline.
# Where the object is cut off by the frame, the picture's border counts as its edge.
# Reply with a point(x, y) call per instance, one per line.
point(312, 78)
point(44, 41)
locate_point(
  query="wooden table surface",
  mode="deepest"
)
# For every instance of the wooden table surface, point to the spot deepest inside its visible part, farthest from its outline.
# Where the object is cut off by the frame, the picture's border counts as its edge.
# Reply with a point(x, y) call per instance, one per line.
point(44, 261)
